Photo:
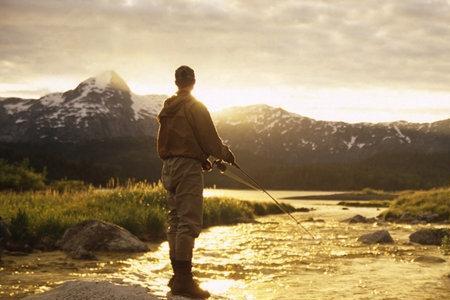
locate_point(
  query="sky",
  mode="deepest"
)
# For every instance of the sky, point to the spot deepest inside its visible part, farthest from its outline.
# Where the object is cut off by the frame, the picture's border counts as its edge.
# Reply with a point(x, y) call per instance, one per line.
point(346, 60)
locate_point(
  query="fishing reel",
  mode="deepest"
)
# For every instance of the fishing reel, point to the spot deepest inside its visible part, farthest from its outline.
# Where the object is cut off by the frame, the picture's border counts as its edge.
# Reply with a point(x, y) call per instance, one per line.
point(220, 165)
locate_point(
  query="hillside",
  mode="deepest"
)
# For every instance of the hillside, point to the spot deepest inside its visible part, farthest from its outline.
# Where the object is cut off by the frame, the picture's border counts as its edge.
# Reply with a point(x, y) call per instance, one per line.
point(102, 129)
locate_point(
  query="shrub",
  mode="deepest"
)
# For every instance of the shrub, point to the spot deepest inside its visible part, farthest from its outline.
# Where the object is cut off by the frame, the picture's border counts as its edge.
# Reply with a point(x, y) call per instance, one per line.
point(20, 177)
point(19, 227)
point(435, 201)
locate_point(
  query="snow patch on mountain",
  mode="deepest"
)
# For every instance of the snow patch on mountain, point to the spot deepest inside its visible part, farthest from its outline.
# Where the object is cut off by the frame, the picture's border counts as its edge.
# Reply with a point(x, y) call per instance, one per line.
point(401, 135)
point(53, 99)
point(101, 81)
point(146, 105)
point(350, 143)
point(18, 106)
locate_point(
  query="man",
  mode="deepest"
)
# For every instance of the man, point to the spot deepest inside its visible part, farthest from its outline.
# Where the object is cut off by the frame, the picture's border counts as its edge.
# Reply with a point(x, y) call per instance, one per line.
point(187, 137)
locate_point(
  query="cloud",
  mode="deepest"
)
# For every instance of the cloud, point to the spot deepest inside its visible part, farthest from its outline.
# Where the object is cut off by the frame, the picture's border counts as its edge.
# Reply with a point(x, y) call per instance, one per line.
point(315, 43)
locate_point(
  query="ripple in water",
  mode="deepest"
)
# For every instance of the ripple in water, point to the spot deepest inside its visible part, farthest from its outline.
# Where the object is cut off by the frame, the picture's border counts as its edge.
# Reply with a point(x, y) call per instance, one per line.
point(268, 260)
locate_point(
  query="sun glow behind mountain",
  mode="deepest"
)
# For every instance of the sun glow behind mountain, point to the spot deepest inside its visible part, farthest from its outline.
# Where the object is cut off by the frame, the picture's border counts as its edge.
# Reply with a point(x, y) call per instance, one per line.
point(352, 61)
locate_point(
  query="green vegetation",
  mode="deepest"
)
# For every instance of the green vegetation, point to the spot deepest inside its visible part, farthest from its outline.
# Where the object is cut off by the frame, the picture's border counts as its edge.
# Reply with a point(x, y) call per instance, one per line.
point(382, 203)
point(20, 177)
point(140, 208)
point(420, 203)
point(366, 194)
point(65, 186)
point(97, 161)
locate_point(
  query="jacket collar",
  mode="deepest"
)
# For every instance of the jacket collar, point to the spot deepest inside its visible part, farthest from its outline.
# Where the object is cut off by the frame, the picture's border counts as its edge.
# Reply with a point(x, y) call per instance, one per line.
point(182, 92)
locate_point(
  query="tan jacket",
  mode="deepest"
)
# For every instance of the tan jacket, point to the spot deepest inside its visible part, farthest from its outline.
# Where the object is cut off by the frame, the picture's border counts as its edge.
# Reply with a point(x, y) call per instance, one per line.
point(186, 130)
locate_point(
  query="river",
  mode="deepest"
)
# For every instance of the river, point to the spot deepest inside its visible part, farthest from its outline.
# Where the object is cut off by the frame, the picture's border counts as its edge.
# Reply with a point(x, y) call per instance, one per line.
point(271, 259)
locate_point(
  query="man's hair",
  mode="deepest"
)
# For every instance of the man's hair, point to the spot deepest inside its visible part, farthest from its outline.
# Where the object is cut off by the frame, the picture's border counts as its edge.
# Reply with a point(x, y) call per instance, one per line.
point(184, 76)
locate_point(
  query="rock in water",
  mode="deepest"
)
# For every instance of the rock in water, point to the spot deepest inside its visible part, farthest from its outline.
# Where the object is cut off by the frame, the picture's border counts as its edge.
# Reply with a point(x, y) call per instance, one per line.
point(100, 236)
point(360, 219)
point(429, 259)
point(429, 236)
point(82, 253)
point(97, 290)
point(377, 237)
point(303, 209)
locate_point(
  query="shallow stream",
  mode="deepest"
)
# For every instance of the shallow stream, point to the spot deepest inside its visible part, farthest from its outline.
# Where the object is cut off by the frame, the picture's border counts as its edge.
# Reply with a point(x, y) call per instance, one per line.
point(268, 260)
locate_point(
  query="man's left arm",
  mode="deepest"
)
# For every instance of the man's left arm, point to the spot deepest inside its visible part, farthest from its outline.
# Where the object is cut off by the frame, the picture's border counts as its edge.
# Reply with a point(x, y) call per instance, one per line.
point(207, 135)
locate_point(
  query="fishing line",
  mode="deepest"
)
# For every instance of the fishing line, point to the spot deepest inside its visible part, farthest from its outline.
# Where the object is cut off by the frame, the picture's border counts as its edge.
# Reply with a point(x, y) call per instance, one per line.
point(224, 170)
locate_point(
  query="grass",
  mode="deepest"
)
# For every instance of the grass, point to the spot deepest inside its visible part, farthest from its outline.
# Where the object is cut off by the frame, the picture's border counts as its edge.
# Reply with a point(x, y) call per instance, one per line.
point(435, 201)
point(373, 203)
point(366, 194)
point(140, 208)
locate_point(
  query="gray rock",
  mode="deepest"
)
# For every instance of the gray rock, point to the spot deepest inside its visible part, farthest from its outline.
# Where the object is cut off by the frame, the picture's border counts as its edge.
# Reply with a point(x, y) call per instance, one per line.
point(94, 290)
point(360, 219)
point(81, 253)
point(100, 236)
point(429, 259)
point(429, 236)
point(303, 209)
point(377, 237)
point(431, 218)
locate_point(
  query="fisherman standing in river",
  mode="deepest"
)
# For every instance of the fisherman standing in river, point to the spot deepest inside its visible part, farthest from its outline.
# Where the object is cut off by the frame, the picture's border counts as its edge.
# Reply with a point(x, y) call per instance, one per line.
point(187, 137)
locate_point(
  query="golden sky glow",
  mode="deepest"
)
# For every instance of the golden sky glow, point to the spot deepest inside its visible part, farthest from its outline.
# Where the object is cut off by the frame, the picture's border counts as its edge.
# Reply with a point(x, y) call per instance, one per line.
point(347, 60)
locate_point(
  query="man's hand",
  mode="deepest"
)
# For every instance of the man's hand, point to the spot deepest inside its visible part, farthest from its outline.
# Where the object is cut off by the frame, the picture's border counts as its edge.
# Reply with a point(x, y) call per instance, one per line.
point(206, 166)
point(229, 158)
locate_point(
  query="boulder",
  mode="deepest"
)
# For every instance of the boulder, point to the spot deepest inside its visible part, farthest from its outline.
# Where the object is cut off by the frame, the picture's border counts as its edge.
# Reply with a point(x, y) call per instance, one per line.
point(94, 290)
point(99, 236)
point(429, 259)
point(377, 237)
point(432, 218)
point(413, 219)
point(360, 219)
point(429, 236)
point(81, 253)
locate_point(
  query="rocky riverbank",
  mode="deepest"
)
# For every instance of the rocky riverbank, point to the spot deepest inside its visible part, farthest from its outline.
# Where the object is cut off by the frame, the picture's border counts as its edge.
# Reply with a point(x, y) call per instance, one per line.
point(94, 290)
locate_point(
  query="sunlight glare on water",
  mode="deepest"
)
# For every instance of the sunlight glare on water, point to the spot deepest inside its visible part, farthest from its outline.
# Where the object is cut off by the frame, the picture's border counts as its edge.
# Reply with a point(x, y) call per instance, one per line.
point(270, 259)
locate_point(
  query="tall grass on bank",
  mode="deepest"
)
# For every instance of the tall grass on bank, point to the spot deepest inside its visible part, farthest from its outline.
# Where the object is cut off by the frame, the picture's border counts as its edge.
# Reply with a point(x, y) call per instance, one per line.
point(140, 208)
point(435, 201)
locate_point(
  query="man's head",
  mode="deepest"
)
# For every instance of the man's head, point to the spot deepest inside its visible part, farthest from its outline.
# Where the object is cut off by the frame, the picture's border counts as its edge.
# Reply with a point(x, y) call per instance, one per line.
point(185, 77)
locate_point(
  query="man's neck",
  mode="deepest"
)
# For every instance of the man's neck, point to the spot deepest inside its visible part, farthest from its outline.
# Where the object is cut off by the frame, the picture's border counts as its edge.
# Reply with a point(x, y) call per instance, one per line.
point(184, 91)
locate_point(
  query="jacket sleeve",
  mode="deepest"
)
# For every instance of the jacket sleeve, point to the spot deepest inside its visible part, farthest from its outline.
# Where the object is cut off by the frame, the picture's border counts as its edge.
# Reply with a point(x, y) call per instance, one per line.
point(206, 132)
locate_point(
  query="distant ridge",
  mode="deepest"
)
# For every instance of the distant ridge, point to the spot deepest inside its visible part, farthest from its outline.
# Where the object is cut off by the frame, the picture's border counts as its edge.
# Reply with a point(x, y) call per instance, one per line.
point(102, 129)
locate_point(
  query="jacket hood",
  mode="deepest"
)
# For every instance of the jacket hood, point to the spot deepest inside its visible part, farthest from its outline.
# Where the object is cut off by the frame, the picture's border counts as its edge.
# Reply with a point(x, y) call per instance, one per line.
point(173, 105)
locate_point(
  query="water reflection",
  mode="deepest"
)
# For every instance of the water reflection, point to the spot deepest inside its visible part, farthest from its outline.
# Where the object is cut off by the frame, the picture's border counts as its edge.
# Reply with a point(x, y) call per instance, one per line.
point(268, 260)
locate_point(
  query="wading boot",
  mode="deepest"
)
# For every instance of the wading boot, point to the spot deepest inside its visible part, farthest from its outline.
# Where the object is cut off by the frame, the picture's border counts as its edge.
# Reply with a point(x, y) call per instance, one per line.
point(184, 283)
point(170, 283)
point(173, 263)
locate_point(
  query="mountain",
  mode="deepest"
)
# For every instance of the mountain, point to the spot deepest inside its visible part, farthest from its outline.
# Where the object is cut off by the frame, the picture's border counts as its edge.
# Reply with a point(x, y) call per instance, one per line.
point(99, 108)
point(279, 135)
point(101, 129)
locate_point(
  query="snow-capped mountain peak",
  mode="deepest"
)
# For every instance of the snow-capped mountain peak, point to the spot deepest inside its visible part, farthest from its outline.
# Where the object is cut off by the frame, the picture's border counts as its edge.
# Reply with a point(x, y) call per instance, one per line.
point(104, 80)
point(100, 107)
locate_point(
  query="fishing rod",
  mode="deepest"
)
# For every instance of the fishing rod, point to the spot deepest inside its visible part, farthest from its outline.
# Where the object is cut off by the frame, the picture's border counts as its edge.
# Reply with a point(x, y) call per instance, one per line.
point(223, 169)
